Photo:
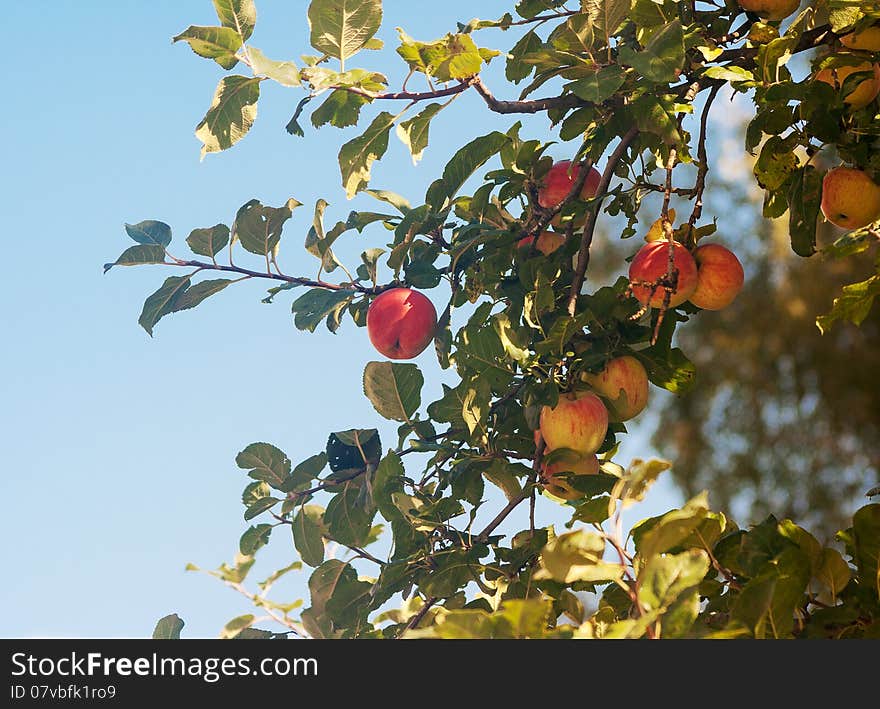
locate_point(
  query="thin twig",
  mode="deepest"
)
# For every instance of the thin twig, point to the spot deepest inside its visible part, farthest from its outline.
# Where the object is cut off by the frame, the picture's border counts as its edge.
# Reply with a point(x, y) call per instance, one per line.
point(583, 258)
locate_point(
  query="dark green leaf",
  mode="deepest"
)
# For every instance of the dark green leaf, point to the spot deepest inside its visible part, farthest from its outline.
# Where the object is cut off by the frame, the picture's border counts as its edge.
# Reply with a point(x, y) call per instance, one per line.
point(462, 165)
point(265, 462)
point(394, 389)
point(197, 293)
point(600, 86)
point(138, 255)
point(150, 232)
point(168, 628)
point(663, 56)
point(254, 538)
point(349, 516)
point(853, 304)
point(866, 535)
point(208, 241)
point(308, 538)
point(260, 506)
point(163, 301)
point(314, 305)
point(259, 227)
point(340, 109)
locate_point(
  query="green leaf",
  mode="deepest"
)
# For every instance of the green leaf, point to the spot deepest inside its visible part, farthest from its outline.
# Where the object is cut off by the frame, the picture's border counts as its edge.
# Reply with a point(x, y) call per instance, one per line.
point(663, 579)
point(414, 132)
point(168, 628)
point(833, 571)
point(265, 462)
point(448, 59)
point(236, 625)
point(231, 115)
point(138, 255)
point(606, 15)
point(853, 304)
point(752, 605)
point(640, 476)
point(731, 73)
point(866, 536)
point(357, 156)
point(315, 304)
point(576, 556)
point(197, 293)
point(217, 43)
point(653, 117)
point(387, 480)
point(600, 86)
point(350, 599)
point(285, 73)
point(341, 28)
point(150, 232)
point(462, 165)
point(340, 109)
point(305, 472)
point(254, 491)
point(258, 227)
point(208, 241)
point(401, 204)
point(500, 474)
point(394, 389)
point(163, 301)
point(663, 56)
point(254, 538)
point(308, 534)
point(673, 527)
point(592, 511)
point(240, 15)
point(349, 516)
point(803, 205)
point(517, 69)
point(260, 506)
point(323, 582)
point(775, 164)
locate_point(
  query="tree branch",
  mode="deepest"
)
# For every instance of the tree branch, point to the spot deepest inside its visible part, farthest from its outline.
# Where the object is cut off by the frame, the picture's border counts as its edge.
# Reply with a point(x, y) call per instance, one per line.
point(583, 258)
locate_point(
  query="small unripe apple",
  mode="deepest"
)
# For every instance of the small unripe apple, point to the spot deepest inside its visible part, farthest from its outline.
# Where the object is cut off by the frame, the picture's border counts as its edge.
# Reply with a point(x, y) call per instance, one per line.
point(548, 242)
point(850, 198)
point(719, 277)
point(865, 91)
point(558, 486)
point(624, 386)
point(770, 9)
point(401, 323)
point(651, 264)
point(579, 421)
point(867, 39)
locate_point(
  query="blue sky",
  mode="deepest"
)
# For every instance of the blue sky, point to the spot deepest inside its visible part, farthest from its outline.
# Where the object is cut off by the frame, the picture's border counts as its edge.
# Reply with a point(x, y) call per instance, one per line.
point(119, 449)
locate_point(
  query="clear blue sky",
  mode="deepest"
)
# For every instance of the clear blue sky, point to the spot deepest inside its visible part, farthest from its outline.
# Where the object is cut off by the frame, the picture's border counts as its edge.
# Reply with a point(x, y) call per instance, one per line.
point(119, 449)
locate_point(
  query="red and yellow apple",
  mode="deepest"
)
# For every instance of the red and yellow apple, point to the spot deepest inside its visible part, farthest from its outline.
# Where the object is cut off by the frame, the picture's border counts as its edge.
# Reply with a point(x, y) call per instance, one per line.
point(401, 323)
point(559, 181)
point(850, 198)
point(770, 9)
point(548, 242)
point(867, 39)
point(579, 421)
point(719, 277)
point(624, 386)
point(556, 485)
point(864, 92)
point(651, 264)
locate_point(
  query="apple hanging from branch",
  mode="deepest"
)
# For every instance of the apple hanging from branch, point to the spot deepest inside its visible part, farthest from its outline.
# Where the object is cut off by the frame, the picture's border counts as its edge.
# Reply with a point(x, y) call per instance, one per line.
point(401, 323)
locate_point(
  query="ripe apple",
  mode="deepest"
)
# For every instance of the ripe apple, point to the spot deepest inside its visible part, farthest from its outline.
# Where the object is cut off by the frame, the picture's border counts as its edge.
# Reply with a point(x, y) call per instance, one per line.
point(558, 486)
point(770, 9)
point(558, 183)
point(624, 386)
point(548, 242)
point(579, 421)
point(401, 323)
point(866, 90)
point(850, 198)
point(719, 277)
point(651, 264)
point(867, 39)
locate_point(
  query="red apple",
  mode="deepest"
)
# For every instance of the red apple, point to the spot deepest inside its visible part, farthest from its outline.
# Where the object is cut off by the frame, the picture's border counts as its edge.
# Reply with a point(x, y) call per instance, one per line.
point(401, 323)
point(651, 264)
point(579, 421)
point(558, 183)
point(719, 277)
point(558, 486)
point(772, 10)
point(864, 92)
point(623, 384)
point(548, 242)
